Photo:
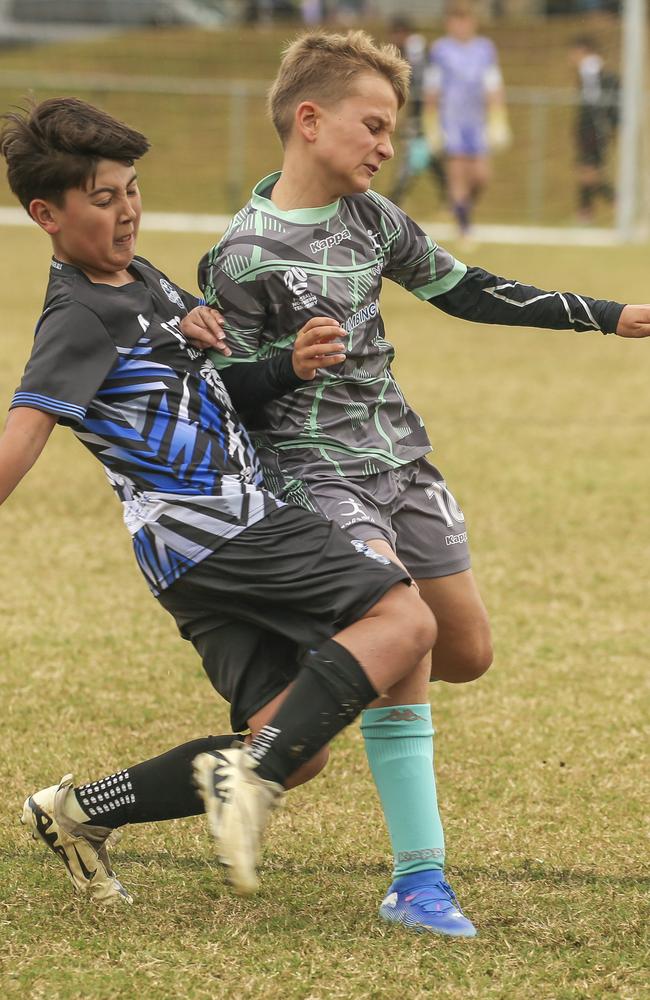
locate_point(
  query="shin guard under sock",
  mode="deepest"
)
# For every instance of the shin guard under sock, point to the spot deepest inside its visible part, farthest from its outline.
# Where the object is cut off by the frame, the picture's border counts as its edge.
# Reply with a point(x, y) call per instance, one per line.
point(156, 789)
point(399, 747)
point(328, 693)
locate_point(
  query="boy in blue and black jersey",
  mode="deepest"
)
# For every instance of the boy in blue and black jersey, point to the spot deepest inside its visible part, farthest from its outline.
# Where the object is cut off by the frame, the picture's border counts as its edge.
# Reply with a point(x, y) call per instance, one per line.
point(284, 608)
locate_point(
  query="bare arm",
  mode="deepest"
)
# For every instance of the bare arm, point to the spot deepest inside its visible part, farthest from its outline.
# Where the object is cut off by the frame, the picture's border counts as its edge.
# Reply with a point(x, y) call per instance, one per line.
point(634, 321)
point(24, 437)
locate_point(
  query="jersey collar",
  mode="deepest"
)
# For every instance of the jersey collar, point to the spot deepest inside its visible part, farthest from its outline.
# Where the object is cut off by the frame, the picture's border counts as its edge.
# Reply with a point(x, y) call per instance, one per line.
point(306, 216)
point(60, 267)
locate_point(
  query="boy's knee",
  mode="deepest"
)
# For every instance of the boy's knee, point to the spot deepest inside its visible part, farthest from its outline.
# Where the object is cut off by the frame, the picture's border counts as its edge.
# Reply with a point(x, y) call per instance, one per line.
point(310, 769)
point(476, 662)
point(416, 622)
point(426, 630)
point(467, 663)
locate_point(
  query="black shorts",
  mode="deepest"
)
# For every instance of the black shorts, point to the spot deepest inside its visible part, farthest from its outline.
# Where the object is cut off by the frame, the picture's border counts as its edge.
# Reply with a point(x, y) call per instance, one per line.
point(284, 585)
point(591, 140)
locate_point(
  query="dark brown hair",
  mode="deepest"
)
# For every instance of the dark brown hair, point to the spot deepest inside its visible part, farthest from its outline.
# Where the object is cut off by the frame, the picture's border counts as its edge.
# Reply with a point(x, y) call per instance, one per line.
point(56, 145)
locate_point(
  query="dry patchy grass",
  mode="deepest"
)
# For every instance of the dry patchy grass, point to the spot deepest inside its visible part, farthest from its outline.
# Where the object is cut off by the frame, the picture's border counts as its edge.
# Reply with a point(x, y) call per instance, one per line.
point(544, 438)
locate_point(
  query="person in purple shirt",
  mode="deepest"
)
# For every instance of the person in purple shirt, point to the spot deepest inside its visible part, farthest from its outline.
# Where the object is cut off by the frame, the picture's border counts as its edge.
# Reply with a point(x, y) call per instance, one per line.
point(465, 86)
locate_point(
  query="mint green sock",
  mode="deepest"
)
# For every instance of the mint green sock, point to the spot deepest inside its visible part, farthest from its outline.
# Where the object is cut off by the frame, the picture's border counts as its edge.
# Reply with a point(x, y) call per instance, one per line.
point(399, 747)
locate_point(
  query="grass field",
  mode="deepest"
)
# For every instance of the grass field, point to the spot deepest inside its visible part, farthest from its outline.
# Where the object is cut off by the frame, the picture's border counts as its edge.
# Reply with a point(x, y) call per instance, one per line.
point(189, 168)
point(542, 765)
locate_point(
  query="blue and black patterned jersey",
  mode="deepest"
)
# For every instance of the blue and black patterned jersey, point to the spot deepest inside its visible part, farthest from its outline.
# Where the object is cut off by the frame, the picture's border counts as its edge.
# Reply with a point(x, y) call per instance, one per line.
point(112, 363)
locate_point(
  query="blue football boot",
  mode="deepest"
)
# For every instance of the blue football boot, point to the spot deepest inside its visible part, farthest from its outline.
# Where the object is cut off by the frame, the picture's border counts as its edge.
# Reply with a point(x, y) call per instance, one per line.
point(424, 902)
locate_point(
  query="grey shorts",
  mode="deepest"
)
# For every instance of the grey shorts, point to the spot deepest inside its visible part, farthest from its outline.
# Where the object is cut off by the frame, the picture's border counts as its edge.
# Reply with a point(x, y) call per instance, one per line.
point(411, 508)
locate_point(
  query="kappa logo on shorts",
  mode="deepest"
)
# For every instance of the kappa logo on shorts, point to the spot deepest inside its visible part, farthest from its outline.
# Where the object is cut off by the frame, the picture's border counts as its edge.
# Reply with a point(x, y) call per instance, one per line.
point(456, 539)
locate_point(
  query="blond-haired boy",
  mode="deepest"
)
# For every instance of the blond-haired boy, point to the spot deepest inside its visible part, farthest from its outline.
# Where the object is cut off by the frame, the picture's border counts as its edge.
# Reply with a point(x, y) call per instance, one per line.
point(316, 240)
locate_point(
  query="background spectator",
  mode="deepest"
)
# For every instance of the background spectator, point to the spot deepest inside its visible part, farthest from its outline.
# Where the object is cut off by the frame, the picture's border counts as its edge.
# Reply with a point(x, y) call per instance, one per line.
point(416, 155)
point(464, 84)
point(595, 124)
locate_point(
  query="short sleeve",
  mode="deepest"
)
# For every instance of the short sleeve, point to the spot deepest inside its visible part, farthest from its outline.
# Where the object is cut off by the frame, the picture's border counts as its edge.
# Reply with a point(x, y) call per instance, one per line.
point(412, 259)
point(71, 357)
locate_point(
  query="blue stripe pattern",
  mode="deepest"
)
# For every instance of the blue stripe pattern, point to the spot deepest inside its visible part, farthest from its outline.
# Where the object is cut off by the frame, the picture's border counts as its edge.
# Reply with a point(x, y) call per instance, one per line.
point(48, 404)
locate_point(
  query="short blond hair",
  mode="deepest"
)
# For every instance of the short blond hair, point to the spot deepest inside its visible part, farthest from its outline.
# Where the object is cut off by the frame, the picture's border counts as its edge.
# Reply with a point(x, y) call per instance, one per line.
point(320, 66)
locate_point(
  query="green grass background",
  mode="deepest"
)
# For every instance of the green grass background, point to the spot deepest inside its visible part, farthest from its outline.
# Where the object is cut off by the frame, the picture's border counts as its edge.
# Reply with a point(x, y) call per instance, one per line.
point(542, 765)
point(188, 169)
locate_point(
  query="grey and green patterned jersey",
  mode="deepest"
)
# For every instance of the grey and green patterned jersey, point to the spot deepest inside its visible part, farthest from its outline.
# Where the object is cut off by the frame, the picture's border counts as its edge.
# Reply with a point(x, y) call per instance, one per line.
point(271, 273)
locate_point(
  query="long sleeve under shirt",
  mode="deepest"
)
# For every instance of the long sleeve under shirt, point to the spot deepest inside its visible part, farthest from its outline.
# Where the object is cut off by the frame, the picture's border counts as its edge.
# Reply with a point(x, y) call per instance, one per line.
point(485, 298)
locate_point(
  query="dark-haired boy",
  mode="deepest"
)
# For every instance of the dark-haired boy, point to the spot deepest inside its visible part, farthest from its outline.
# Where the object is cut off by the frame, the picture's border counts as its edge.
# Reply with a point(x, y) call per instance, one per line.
point(315, 239)
point(251, 581)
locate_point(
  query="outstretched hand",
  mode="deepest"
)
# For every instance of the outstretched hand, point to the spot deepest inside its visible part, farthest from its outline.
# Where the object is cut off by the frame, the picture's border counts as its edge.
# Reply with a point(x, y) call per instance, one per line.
point(318, 345)
point(203, 327)
point(634, 321)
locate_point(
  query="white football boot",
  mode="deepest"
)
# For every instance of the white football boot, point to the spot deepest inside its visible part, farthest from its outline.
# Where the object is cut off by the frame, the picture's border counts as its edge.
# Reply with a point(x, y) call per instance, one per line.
point(82, 847)
point(238, 804)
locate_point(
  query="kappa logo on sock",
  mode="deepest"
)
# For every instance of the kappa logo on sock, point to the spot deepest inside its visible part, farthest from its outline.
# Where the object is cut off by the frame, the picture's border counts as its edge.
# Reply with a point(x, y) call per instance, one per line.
point(402, 715)
point(427, 854)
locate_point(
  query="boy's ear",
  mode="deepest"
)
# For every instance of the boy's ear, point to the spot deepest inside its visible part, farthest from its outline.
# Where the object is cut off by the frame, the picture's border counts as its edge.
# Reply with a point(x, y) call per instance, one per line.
point(43, 214)
point(307, 120)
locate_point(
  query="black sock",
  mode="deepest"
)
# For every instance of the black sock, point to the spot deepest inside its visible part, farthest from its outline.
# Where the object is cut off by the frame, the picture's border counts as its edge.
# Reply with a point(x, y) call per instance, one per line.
point(437, 168)
point(328, 693)
point(606, 190)
point(586, 194)
point(156, 789)
point(461, 210)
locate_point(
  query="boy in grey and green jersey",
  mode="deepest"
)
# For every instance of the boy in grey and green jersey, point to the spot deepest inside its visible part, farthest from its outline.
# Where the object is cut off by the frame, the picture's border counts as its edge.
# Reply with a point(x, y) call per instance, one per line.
point(316, 241)
point(272, 269)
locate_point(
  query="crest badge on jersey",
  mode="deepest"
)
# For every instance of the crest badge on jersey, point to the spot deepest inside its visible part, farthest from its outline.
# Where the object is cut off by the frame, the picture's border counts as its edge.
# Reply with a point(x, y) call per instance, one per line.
point(172, 293)
point(296, 279)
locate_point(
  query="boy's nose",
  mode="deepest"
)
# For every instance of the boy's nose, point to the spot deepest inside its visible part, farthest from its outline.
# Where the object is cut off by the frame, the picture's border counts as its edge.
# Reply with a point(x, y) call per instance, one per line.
point(129, 210)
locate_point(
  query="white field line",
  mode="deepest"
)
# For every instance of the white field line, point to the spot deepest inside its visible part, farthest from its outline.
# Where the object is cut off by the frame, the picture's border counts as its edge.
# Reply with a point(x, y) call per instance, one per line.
point(180, 222)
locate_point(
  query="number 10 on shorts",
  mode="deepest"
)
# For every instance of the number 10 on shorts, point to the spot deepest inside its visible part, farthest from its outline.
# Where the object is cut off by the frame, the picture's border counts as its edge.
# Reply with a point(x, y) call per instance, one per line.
point(446, 502)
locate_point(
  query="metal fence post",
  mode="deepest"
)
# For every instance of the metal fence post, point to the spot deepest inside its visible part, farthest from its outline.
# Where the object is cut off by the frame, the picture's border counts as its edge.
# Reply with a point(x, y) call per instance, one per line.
point(628, 200)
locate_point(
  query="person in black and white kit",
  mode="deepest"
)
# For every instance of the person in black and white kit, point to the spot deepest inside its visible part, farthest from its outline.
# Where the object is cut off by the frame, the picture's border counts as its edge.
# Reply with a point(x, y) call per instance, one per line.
point(595, 125)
